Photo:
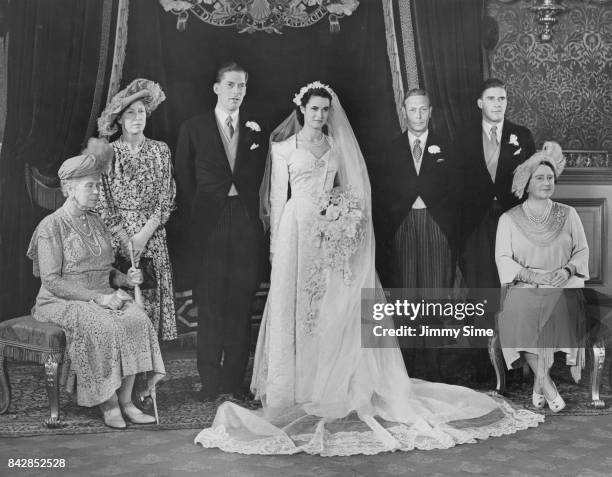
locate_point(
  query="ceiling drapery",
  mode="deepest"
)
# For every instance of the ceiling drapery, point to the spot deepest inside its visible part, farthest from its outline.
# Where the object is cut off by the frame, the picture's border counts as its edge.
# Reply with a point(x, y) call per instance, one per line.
point(270, 16)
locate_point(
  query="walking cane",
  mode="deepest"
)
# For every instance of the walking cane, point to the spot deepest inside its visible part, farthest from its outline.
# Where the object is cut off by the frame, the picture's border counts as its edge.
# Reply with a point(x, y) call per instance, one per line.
point(137, 291)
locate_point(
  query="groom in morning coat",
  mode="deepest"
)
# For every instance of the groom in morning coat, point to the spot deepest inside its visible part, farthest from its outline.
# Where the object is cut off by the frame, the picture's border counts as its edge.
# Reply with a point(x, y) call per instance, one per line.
point(220, 160)
point(417, 186)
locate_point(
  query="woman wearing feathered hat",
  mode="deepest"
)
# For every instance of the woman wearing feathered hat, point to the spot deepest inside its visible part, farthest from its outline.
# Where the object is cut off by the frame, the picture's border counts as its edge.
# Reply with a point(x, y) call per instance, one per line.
point(542, 257)
point(109, 339)
point(138, 193)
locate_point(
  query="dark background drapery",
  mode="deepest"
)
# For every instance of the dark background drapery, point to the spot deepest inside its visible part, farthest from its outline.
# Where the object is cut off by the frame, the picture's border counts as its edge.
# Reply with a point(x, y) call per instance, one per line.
point(53, 60)
point(353, 62)
point(54, 81)
point(448, 38)
point(53, 66)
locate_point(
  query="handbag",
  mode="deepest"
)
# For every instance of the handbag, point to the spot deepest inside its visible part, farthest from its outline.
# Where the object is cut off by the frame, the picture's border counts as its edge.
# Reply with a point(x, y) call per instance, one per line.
point(123, 264)
point(146, 266)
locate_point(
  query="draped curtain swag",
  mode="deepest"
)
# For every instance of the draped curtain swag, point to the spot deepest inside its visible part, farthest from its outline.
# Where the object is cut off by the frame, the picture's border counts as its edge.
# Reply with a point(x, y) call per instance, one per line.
point(448, 36)
point(55, 53)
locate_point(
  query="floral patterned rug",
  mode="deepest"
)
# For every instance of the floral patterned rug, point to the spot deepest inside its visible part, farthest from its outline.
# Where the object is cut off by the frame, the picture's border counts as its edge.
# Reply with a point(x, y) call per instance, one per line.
point(179, 407)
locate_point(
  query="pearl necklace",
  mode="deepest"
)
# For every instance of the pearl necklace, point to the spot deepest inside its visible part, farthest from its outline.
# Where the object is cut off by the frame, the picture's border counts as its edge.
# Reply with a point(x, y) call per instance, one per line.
point(88, 239)
point(537, 219)
point(318, 142)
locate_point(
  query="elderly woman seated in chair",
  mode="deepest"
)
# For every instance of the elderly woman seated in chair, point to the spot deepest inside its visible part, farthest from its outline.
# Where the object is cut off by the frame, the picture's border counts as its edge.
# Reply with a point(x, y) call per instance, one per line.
point(109, 338)
point(542, 258)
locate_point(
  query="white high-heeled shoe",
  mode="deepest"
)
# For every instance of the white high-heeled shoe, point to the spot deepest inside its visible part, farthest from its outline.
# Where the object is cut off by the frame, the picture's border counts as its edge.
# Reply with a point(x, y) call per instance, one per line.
point(135, 415)
point(150, 394)
point(112, 416)
point(538, 400)
point(557, 403)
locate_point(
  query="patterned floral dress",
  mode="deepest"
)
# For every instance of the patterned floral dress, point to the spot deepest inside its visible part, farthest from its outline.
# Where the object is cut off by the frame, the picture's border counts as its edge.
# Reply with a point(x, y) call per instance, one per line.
point(141, 186)
point(103, 345)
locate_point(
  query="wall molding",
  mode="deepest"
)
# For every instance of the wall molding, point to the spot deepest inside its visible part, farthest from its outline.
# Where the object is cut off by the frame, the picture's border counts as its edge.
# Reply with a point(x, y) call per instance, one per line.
point(587, 167)
point(596, 231)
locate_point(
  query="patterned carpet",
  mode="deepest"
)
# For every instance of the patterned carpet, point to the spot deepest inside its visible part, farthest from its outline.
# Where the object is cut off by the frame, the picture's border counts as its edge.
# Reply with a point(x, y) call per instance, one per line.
point(177, 403)
point(179, 407)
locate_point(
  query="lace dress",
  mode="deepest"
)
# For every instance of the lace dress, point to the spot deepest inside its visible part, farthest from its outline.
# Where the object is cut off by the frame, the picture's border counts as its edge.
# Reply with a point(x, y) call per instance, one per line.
point(322, 393)
point(141, 186)
point(103, 345)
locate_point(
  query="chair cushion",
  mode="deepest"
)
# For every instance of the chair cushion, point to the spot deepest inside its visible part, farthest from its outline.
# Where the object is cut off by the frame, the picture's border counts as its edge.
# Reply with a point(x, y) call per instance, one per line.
point(27, 333)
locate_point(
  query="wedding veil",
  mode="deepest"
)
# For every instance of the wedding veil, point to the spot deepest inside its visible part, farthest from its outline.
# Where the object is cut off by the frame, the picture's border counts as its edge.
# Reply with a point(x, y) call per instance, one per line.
point(352, 170)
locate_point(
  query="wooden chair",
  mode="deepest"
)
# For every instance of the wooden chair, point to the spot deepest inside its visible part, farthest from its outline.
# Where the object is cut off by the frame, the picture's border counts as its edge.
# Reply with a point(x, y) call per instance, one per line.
point(596, 348)
point(26, 339)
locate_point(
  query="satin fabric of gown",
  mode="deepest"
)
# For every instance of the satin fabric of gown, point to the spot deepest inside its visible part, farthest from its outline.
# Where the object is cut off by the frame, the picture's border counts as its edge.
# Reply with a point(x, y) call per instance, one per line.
point(322, 393)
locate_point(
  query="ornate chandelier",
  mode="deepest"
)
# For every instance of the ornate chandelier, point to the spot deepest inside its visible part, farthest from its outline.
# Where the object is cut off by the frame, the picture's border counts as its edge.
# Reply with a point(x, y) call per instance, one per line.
point(546, 12)
point(270, 16)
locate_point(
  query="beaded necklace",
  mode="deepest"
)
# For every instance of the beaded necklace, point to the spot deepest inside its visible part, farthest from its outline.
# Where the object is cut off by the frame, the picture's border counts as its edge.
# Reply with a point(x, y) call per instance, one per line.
point(537, 219)
point(88, 238)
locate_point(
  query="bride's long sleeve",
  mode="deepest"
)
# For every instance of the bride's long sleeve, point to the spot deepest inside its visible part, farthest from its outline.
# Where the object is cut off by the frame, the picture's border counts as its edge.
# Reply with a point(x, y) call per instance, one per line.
point(279, 186)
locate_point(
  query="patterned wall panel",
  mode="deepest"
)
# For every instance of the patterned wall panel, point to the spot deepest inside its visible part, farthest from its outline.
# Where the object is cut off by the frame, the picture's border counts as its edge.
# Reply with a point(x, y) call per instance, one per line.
point(561, 90)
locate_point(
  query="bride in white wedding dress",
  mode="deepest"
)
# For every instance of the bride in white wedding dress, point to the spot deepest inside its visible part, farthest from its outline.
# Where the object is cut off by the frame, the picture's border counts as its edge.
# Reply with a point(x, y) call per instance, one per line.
point(322, 393)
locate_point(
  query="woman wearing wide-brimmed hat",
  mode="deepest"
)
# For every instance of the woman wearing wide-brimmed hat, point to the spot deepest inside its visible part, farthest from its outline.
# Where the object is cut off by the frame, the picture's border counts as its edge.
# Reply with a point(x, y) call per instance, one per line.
point(109, 339)
point(138, 194)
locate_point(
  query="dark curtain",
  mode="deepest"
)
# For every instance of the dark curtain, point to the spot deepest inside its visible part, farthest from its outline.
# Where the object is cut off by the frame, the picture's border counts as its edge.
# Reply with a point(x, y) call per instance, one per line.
point(353, 62)
point(448, 36)
point(53, 60)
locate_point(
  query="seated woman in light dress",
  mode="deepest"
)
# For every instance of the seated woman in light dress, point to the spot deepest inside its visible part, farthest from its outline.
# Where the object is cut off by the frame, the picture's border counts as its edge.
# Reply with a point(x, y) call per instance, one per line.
point(542, 257)
point(109, 339)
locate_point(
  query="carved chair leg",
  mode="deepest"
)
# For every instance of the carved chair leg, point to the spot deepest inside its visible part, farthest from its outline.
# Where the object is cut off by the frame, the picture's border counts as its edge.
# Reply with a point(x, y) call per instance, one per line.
point(5, 386)
point(599, 356)
point(497, 360)
point(52, 382)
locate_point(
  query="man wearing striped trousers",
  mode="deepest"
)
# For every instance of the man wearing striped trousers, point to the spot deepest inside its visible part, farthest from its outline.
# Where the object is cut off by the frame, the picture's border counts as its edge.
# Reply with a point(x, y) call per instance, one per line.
point(418, 186)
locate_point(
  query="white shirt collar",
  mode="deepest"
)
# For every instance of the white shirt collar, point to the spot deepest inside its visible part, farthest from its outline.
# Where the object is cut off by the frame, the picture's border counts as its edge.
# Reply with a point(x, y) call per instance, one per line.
point(423, 138)
point(222, 116)
point(486, 127)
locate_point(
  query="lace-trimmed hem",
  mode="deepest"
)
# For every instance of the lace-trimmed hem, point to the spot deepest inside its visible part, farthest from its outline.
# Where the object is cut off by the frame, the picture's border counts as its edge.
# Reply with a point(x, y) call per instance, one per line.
point(400, 437)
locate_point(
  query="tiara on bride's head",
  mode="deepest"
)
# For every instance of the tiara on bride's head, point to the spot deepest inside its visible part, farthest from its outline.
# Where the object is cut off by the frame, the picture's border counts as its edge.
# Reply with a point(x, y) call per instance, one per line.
point(297, 99)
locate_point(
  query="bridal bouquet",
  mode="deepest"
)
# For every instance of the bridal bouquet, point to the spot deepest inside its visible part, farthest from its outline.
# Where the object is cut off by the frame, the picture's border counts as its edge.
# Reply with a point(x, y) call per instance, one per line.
point(339, 230)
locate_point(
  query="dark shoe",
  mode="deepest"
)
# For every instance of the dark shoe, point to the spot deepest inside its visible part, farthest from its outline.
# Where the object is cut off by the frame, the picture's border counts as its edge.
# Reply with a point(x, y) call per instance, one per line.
point(207, 395)
point(243, 395)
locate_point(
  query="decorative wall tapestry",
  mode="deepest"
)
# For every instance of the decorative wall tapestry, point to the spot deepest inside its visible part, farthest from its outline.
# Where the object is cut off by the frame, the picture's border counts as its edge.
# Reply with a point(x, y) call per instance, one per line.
point(270, 16)
point(561, 90)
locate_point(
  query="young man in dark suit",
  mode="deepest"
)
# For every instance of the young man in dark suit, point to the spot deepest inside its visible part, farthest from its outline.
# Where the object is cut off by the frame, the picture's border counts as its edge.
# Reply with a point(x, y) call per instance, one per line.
point(417, 186)
point(220, 159)
point(490, 151)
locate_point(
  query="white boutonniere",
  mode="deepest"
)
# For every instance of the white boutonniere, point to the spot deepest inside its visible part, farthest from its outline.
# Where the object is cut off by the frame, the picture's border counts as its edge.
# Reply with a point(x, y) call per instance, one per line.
point(517, 152)
point(433, 149)
point(253, 126)
point(441, 159)
point(513, 140)
point(254, 146)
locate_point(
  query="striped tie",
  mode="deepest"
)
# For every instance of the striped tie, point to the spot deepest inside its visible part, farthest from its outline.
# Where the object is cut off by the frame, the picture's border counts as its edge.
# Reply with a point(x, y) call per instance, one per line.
point(230, 126)
point(494, 135)
point(417, 152)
